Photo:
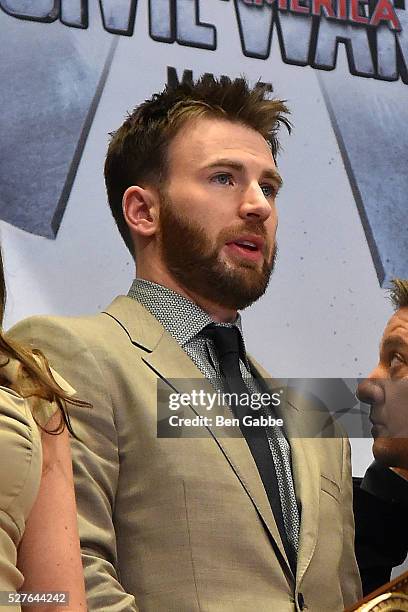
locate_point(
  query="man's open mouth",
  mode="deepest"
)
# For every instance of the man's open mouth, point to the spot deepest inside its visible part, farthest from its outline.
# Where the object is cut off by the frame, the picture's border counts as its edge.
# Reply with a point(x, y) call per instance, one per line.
point(247, 247)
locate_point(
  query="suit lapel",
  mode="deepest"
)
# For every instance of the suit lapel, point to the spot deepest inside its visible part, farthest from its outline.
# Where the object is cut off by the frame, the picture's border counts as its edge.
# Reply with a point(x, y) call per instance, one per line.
point(305, 470)
point(306, 475)
point(170, 363)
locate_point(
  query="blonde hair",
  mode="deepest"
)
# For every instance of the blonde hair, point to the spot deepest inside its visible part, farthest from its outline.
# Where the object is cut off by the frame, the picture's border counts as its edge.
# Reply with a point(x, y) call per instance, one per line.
point(34, 378)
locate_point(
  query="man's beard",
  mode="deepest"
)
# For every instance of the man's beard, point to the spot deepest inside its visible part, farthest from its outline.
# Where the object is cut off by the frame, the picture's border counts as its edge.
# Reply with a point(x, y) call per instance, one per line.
point(195, 263)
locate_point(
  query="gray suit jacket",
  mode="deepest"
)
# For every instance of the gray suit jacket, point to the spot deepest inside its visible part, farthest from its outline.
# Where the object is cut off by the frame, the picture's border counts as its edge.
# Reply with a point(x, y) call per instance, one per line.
point(183, 525)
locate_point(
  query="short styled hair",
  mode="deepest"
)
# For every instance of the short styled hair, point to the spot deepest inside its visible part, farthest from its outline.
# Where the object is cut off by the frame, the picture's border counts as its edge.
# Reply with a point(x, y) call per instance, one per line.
point(137, 153)
point(399, 293)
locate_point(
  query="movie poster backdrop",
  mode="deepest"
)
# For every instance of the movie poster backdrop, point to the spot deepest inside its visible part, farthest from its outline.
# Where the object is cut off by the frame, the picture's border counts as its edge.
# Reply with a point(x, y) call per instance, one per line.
point(70, 70)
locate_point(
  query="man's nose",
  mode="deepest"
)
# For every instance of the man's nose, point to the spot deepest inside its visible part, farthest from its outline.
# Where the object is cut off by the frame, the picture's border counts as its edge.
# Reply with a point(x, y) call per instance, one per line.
point(370, 390)
point(255, 205)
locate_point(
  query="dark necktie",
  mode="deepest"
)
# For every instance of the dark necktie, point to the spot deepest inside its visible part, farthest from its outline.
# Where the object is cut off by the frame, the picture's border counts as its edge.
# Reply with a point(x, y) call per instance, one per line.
point(226, 343)
point(227, 347)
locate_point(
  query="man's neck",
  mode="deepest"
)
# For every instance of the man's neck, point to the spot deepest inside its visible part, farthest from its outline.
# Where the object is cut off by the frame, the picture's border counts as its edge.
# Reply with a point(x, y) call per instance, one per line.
point(217, 312)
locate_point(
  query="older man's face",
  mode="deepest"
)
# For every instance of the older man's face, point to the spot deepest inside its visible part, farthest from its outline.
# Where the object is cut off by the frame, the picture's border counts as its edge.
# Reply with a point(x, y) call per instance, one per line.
point(386, 390)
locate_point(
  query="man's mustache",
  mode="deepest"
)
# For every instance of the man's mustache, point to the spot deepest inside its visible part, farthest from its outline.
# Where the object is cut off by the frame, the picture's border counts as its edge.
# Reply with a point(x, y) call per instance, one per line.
point(256, 229)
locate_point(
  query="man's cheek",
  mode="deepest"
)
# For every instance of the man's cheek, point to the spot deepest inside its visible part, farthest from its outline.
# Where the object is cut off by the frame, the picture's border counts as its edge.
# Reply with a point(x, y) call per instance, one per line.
point(396, 417)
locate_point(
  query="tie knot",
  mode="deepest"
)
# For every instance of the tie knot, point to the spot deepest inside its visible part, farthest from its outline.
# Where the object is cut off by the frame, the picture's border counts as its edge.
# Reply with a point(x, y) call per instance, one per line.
point(226, 339)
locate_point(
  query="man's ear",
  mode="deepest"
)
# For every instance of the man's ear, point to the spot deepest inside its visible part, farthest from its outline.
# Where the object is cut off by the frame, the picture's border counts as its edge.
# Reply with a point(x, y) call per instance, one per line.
point(141, 210)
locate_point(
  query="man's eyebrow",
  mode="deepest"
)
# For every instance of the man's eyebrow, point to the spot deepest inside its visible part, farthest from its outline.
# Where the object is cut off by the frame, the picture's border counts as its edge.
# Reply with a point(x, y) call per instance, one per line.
point(393, 342)
point(230, 163)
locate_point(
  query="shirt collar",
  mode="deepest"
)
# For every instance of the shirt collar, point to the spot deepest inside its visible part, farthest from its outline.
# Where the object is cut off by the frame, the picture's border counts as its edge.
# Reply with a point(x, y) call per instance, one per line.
point(181, 317)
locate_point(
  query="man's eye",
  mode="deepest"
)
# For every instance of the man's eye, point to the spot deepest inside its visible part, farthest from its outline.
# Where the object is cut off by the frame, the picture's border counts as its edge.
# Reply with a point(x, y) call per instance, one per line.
point(396, 360)
point(223, 179)
point(268, 190)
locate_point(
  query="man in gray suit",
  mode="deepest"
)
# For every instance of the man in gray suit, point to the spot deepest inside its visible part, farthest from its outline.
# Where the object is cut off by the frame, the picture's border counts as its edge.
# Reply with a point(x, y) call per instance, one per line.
point(236, 518)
